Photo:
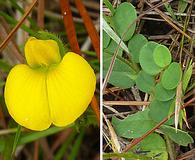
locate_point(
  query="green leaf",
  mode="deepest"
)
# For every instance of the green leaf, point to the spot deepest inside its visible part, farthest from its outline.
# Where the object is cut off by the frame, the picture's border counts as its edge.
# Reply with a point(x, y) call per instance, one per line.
point(132, 126)
point(106, 39)
point(32, 136)
point(135, 44)
point(5, 66)
point(162, 56)
point(111, 48)
point(180, 137)
point(128, 156)
point(124, 16)
point(145, 82)
point(2, 144)
point(114, 36)
point(154, 146)
point(76, 146)
point(16, 139)
point(172, 76)
point(163, 94)
point(159, 110)
point(182, 5)
point(7, 150)
point(146, 59)
point(122, 75)
point(60, 153)
point(186, 78)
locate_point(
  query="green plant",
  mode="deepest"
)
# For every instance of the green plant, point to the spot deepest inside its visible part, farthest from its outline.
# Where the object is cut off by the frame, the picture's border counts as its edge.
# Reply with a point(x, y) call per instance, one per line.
point(149, 66)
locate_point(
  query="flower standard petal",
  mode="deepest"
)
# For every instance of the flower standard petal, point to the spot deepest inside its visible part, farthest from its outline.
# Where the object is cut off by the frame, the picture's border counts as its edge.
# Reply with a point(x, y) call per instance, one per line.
point(26, 97)
point(70, 86)
point(41, 52)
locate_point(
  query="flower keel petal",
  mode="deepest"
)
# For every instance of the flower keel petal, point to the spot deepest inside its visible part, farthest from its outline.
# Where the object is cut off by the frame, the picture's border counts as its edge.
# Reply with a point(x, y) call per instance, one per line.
point(26, 97)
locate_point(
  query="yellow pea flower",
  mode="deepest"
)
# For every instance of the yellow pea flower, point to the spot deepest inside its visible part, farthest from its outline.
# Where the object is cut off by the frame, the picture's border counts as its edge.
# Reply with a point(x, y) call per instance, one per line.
point(48, 89)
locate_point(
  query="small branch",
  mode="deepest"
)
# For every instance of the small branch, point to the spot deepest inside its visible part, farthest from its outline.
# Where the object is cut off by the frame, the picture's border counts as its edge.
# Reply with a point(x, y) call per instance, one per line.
point(125, 103)
point(4, 43)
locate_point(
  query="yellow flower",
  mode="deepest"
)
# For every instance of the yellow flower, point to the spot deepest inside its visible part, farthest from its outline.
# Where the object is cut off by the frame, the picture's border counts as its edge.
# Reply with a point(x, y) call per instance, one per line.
point(49, 89)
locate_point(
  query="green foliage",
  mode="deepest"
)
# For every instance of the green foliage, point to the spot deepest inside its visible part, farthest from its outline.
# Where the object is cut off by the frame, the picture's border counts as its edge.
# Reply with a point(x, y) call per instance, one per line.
point(106, 39)
point(111, 48)
point(135, 44)
point(160, 110)
point(172, 76)
point(130, 126)
point(32, 136)
point(180, 137)
point(154, 146)
point(121, 23)
point(59, 155)
point(162, 56)
point(146, 59)
point(158, 76)
point(122, 74)
point(163, 94)
point(114, 36)
point(186, 78)
point(145, 82)
point(5, 66)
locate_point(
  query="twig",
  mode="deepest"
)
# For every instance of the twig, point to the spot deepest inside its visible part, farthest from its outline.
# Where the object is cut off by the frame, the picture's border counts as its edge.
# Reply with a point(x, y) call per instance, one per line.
point(4, 43)
point(125, 103)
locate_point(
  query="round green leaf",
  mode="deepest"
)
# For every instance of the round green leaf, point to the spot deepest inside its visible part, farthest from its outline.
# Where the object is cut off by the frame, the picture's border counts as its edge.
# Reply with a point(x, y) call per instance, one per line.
point(122, 75)
point(111, 48)
point(163, 94)
point(106, 39)
point(146, 59)
point(172, 76)
point(159, 110)
point(162, 56)
point(145, 82)
point(124, 16)
point(135, 44)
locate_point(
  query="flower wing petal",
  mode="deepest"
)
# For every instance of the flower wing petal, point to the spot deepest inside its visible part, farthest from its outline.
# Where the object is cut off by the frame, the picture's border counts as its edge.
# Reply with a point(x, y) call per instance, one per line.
point(70, 87)
point(26, 97)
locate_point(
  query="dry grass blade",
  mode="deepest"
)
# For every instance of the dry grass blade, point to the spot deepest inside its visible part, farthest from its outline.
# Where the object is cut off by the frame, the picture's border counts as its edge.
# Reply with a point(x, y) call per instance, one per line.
point(114, 140)
point(126, 103)
point(4, 43)
point(178, 104)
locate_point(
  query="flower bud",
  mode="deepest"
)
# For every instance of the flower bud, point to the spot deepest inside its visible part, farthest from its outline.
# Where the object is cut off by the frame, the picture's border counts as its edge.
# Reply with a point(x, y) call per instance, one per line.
point(41, 53)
